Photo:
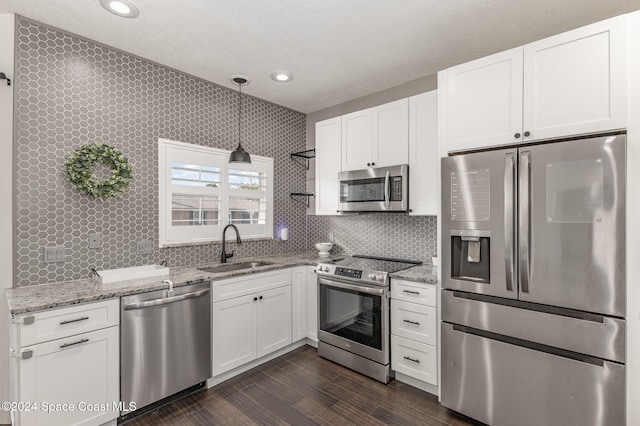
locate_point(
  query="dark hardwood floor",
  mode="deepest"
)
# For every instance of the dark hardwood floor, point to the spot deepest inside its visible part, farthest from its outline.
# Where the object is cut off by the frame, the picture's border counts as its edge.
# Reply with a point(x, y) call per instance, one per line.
point(301, 388)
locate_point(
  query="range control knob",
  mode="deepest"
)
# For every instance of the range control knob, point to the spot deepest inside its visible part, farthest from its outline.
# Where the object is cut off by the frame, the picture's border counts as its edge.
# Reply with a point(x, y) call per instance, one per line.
point(379, 277)
point(372, 277)
point(326, 269)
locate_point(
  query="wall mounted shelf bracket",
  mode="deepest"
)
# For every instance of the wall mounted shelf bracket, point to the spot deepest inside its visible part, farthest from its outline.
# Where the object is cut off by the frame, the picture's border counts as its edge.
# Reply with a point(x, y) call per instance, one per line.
point(297, 196)
point(303, 157)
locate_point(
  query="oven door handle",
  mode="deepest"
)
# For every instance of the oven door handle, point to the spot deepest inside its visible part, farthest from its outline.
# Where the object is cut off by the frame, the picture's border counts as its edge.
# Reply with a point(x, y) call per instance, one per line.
point(355, 287)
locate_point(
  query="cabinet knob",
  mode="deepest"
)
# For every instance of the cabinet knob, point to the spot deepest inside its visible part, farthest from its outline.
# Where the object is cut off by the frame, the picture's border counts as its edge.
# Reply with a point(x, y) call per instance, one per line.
point(517, 136)
point(527, 134)
point(368, 164)
point(255, 299)
point(260, 297)
point(373, 164)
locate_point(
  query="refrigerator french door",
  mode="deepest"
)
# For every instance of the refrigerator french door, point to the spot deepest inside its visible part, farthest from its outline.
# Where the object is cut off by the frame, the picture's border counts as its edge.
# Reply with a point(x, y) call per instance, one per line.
point(533, 277)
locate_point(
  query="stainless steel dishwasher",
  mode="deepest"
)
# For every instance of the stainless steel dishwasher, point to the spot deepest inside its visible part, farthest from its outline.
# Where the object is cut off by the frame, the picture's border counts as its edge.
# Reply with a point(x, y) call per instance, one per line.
point(165, 344)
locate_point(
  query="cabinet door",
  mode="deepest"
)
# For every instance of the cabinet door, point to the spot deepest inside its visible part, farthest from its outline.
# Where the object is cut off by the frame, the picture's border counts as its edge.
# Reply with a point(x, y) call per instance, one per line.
point(485, 102)
point(328, 149)
point(424, 179)
point(273, 320)
point(391, 133)
point(357, 140)
point(298, 303)
point(234, 333)
point(86, 370)
point(575, 82)
point(312, 304)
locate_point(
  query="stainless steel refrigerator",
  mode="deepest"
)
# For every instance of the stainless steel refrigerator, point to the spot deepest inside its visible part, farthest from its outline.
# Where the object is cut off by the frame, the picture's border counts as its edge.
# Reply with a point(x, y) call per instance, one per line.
point(533, 278)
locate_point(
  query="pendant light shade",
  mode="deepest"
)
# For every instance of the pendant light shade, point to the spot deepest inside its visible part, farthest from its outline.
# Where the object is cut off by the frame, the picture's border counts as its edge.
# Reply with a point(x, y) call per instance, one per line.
point(240, 155)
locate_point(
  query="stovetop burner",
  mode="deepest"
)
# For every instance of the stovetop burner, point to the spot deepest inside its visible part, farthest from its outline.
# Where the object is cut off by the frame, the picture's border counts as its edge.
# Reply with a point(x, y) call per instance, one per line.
point(370, 269)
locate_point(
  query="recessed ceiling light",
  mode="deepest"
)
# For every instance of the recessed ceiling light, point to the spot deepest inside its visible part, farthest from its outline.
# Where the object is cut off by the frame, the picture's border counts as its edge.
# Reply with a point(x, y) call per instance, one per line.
point(281, 77)
point(123, 8)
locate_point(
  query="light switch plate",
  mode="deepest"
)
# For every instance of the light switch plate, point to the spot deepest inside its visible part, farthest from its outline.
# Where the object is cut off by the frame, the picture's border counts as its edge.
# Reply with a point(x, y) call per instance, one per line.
point(95, 240)
point(144, 247)
point(54, 254)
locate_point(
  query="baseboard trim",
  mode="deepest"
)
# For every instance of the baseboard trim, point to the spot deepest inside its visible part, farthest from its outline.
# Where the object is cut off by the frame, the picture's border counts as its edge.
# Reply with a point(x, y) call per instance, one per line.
point(239, 370)
point(427, 387)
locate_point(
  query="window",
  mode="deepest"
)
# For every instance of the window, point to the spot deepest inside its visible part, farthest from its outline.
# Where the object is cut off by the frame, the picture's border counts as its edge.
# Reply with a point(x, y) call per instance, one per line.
point(200, 193)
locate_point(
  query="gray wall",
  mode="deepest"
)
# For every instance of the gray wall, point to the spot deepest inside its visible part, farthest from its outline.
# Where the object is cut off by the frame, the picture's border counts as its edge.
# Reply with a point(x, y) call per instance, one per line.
point(69, 92)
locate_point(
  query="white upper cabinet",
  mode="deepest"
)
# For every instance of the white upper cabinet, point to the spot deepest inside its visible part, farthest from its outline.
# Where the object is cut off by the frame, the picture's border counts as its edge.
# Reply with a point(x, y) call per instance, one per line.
point(357, 140)
point(570, 84)
point(376, 137)
point(328, 146)
point(423, 154)
point(391, 134)
point(485, 101)
point(575, 83)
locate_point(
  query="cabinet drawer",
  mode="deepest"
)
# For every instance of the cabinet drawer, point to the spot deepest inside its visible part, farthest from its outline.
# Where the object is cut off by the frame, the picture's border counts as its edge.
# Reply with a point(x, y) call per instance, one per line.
point(59, 323)
point(413, 321)
point(414, 359)
point(248, 284)
point(82, 368)
point(411, 291)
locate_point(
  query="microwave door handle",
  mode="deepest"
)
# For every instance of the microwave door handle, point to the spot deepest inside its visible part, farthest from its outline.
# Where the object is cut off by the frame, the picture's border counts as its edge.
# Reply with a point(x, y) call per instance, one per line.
point(509, 194)
point(387, 189)
point(524, 219)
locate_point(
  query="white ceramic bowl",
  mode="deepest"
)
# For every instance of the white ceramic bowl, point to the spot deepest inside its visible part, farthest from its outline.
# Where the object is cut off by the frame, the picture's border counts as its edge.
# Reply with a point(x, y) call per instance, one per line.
point(324, 248)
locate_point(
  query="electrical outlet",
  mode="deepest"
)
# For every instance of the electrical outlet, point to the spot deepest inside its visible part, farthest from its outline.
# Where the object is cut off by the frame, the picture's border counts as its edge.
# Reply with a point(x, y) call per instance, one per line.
point(54, 254)
point(95, 240)
point(331, 236)
point(144, 247)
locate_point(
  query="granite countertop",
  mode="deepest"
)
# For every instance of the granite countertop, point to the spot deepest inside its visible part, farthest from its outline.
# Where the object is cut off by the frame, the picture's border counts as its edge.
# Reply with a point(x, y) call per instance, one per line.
point(40, 297)
point(425, 273)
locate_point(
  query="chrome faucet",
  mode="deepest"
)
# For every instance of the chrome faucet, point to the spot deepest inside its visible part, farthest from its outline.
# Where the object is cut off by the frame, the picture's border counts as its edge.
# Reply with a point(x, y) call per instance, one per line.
point(224, 256)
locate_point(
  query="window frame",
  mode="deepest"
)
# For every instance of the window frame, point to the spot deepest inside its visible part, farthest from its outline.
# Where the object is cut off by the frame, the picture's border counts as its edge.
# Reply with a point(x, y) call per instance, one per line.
point(173, 151)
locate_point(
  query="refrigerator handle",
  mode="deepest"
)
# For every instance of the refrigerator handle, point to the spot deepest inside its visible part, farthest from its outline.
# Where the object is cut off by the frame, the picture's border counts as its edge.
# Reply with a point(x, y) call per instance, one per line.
point(509, 194)
point(524, 221)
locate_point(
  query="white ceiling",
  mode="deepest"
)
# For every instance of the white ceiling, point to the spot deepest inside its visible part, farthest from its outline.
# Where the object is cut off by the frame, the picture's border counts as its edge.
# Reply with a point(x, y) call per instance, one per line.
point(337, 50)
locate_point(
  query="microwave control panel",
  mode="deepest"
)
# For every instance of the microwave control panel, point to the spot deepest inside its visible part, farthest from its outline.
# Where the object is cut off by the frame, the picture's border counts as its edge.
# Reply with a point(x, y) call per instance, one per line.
point(396, 188)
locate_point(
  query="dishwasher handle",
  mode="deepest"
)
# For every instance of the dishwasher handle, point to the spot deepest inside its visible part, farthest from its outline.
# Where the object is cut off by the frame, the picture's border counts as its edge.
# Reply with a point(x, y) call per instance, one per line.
point(164, 300)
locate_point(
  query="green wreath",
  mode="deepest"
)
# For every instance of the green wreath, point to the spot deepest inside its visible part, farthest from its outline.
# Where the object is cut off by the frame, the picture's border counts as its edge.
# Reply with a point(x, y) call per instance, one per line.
point(79, 169)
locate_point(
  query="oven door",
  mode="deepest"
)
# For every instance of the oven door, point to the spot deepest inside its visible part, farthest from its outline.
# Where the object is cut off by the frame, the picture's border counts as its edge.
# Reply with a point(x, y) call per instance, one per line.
point(354, 317)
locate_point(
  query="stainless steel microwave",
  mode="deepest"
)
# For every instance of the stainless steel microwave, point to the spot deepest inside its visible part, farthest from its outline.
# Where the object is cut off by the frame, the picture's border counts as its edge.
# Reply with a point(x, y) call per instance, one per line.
point(375, 190)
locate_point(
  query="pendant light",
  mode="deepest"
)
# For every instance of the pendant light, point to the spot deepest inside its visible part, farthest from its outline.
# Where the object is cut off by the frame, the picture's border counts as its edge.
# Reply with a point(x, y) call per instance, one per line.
point(240, 155)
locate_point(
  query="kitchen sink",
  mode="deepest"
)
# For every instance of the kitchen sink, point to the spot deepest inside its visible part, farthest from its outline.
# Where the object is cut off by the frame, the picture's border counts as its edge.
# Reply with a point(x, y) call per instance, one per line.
point(233, 267)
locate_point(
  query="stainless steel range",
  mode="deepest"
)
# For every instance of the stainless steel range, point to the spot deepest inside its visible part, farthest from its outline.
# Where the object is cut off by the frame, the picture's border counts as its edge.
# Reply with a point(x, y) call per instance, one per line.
point(353, 326)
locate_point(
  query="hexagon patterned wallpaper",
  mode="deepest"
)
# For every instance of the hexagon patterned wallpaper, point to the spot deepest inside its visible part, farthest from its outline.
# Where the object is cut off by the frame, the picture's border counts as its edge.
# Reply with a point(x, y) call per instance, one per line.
point(70, 91)
point(393, 235)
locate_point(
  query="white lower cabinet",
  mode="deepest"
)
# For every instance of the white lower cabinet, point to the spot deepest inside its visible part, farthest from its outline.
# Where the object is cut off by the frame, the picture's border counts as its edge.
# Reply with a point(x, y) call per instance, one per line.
point(414, 359)
point(253, 324)
point(414, 330)
point(298, 303)
point(73, 379)
point(304, 303)
point(414, 321)
point(273, 320)
point(234, 333)
point(312, 304)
